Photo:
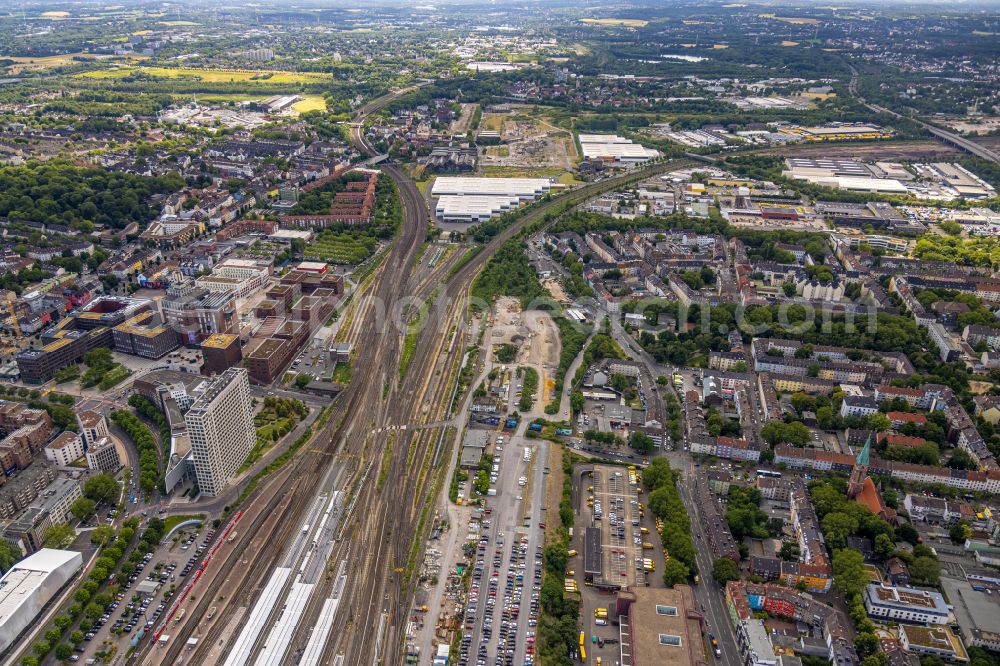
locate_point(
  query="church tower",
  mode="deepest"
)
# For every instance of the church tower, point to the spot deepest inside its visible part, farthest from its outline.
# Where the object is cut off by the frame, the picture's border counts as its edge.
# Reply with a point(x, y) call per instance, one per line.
point(860, 471)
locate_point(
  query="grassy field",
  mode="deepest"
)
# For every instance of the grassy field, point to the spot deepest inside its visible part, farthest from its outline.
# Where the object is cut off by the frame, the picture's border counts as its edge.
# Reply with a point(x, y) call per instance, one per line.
point(341, 247)
point(422, 185)
point(212, 75)
point(492, 121)
point(38, 64)
point(342, 373)
point(564, 177)
point(311, 103)
point(627, 23)
point(171, 522)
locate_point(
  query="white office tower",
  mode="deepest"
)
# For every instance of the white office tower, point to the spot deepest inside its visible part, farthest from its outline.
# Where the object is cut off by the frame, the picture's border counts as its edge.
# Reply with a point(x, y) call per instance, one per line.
point(220, 425)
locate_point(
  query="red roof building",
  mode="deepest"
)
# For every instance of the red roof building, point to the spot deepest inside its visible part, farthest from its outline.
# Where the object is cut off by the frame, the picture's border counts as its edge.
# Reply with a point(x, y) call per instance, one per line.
point(872, 498)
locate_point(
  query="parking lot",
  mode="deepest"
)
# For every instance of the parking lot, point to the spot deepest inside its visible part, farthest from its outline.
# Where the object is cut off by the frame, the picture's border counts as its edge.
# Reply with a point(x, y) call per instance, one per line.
point(613, 509)
point(614, 546)
point(138, 607)
point(501, 612)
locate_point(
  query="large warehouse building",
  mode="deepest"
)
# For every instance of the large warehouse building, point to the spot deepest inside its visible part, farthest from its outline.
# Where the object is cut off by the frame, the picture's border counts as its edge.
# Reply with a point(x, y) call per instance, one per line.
point(615, 150)
point(463, 199)
point(29, 585)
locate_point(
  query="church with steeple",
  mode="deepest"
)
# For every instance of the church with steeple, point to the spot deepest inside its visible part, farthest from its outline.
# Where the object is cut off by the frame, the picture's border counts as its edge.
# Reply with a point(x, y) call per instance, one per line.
point(862, 489)
point(860, 470)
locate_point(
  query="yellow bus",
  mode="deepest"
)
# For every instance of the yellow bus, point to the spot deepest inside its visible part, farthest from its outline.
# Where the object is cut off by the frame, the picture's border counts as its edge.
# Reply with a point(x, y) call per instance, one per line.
point(583, 650)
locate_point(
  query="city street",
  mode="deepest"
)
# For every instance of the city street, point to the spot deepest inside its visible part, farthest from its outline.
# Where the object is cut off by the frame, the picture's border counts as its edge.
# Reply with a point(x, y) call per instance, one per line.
point(708, 593)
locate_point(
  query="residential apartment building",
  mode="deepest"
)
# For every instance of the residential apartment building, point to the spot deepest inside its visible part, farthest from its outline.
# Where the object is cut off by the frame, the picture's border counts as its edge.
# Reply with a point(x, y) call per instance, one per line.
point(858, 405)
point(241, 276)
point(65, 448)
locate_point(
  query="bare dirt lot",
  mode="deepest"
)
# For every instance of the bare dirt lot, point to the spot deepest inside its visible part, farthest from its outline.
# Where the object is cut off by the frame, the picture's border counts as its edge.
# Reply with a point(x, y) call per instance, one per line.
point(461, 124)
point(529, 143)
point(989, 141)
point(974, 126)
point(885, 151)
point(555, 290)
point(537, 336)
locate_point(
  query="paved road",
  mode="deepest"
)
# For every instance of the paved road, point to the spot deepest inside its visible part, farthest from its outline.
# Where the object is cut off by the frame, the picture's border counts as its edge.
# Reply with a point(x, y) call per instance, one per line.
point(708, 593)
point(948, 137)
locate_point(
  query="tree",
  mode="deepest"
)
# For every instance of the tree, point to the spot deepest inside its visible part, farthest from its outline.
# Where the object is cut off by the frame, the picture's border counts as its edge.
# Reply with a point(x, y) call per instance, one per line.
point(76, 637)
point(778, 432)
point(102, 535)
point(302, 381)
point(63, 652)
point(960, 459)
point(837, 526)
point(879, 422)
point(657, 473)
point(506, 353)
point(101, 488)
point(98, 357)
point(867, 643)
point(675, 572)
point(925, 570)
point(884, 546)
point(9, 555)
point(909, 534)
point(641, 442)
point(83, 508)
point(789, 551)
point(960, 533)
point(725, 570)
point(58, 536)
point(849, 573)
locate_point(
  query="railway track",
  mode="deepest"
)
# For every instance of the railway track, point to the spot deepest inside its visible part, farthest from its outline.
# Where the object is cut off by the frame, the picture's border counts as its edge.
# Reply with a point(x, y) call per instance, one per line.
point(261, 560)
point(333, 438)
point(386, 530)
point(395, 599)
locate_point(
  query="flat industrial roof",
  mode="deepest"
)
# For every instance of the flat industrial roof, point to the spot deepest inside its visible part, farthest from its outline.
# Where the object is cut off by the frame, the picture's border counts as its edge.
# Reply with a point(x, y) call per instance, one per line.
point(462, 185)
point(46, 560)
point(613, 146)
point(219, 340)
point(453, 204)
point(592, 560)
point(602, 138)
point(664, 627)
